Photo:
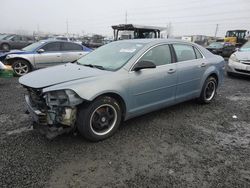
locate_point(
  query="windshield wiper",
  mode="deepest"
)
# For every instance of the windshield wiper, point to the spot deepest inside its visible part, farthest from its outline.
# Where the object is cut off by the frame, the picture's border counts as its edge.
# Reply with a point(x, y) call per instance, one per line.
point(94, 66)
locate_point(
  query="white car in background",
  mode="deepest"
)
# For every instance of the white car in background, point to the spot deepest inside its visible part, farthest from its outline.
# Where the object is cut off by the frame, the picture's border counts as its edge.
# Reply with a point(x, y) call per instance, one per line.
point(239, 61)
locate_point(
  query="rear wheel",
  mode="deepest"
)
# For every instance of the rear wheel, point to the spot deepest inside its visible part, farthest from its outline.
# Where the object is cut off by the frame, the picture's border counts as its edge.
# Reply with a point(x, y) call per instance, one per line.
point(209, 90)
point(21, 67)
point(100, 119)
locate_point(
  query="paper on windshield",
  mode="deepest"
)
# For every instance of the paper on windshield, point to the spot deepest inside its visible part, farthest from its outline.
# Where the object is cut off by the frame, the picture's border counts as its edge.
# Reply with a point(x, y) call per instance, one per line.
point(131, 50)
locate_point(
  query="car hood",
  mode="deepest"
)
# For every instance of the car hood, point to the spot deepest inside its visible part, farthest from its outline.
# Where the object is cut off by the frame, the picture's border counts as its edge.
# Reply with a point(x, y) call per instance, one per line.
point(241, 55)
point(14, 52)
point(59, 74)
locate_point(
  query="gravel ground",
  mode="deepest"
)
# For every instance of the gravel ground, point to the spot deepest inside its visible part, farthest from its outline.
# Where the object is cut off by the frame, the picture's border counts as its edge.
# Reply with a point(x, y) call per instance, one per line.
point(186, 145)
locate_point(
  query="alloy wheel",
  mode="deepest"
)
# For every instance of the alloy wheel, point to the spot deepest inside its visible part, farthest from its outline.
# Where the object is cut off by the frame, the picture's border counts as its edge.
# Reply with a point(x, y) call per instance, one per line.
point(210, 90)
point(21, 68)
point(103, 119)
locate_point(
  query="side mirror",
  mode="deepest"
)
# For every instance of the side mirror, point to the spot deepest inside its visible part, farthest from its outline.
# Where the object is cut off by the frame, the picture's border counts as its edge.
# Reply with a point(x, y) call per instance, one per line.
point(144, 65)
point(40, 51)
point(236, 49)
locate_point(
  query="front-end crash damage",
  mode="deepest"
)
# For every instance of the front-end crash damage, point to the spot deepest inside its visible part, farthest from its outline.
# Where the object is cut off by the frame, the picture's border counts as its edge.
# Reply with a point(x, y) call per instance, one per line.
point(53, 112)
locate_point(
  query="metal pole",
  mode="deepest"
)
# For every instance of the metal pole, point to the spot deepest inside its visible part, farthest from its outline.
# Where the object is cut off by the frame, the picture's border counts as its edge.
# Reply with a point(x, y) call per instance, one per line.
point(67, 23)
point(126, 17)
point(216, 30)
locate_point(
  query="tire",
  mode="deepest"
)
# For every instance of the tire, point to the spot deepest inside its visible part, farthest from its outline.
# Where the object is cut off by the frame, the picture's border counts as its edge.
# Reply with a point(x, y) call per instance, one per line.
point(21, 67)
point(208, 90)
point(5, 47)
point(100, 119)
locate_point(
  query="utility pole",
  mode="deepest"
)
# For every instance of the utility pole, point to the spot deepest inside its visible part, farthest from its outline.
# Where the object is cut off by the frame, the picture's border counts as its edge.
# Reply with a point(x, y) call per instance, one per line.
point(67, 23)
point(216, 30)
point(126, 17)
point(38, 28)
point(169, 30)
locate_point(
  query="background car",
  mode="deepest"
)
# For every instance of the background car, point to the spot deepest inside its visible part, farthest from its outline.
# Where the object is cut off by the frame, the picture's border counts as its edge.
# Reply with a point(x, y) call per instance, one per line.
point(15, 42)
point(119, 81)
point(43, 54)
point(222, 48)
point(239, 62)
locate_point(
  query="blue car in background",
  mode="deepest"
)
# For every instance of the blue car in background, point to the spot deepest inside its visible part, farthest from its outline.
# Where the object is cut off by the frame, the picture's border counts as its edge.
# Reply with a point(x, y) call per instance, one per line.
point(43, 54)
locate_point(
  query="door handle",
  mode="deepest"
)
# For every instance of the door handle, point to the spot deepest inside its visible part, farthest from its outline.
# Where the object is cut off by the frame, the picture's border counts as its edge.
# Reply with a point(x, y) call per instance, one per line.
point(171, 71)
point(203, 65)
point(80, 53)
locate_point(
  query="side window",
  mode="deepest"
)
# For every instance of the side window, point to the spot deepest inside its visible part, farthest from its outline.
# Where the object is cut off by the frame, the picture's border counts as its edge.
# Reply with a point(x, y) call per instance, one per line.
point(198, 54)
point(16, 38)
point(184, 52)
point(24, 38)
point(68, 46)
point(52, 47)
point(160, 55)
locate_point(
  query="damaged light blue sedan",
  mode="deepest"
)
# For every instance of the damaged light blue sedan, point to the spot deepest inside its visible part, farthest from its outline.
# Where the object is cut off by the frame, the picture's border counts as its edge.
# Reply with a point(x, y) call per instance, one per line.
point(119, 81)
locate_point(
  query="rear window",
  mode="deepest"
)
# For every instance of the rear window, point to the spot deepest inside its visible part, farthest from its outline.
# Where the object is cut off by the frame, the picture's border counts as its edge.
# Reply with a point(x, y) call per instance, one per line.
point(184, 52)
point(67, 46)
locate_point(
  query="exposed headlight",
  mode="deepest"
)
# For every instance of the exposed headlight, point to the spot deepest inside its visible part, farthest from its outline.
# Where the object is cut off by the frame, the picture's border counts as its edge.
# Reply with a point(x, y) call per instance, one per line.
point(8, 57)
point(62, 98)
point(234, 58)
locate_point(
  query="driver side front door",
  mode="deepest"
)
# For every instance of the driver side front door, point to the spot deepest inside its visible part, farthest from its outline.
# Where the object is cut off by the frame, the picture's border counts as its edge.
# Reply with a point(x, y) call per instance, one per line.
point(51, 56)
point(153, 88)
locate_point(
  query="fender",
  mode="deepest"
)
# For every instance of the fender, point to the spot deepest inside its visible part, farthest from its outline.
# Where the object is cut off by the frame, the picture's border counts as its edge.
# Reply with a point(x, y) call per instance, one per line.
point(27, 57)
point(211, 70)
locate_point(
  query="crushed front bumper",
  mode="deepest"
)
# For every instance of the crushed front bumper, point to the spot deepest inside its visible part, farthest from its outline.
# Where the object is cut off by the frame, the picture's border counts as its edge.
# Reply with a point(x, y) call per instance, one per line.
point(37, 116)
point(41, 119)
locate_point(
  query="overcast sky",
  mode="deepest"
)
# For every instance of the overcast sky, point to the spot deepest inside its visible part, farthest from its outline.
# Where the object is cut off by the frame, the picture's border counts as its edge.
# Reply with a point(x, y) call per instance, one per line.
point(91, 16)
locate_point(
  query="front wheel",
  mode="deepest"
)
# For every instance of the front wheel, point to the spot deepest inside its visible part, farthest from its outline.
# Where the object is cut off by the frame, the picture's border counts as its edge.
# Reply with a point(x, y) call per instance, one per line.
point(21, 67)
point(5, 47)
point(100, 119)
point(208, 90)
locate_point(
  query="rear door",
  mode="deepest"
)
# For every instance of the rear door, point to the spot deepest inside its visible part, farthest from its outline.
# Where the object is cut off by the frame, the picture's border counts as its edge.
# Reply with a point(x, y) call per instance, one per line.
point(191, 66)
point(51, 56)
point(71, 52)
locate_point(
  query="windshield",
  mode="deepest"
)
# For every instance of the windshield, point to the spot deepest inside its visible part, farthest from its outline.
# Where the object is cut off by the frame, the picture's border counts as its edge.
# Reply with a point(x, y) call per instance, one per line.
point(2, 36)
point(239, 34)
point(111, 56)
point(245, 47)
point(8, 37)
point(33, 46)
point(216, 45)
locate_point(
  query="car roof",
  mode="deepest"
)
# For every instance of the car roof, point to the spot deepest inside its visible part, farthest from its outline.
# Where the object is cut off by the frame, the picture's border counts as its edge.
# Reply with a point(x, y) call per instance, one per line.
point(155, 41)
point(56, 40)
